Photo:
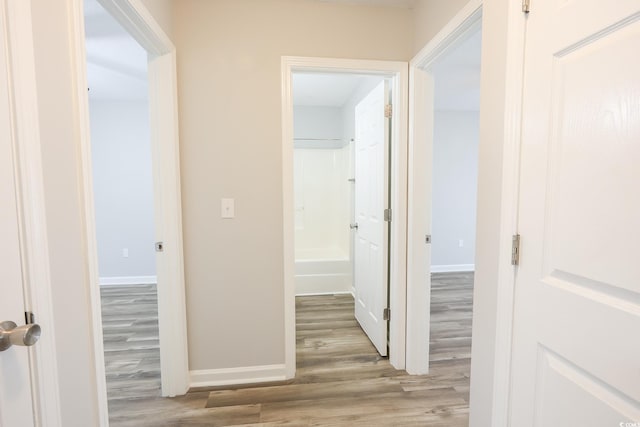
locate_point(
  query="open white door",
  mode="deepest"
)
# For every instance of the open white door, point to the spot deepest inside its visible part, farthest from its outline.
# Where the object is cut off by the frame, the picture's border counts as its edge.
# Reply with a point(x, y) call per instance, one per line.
point(16, 407)
point(576, 350)
point(371, 199)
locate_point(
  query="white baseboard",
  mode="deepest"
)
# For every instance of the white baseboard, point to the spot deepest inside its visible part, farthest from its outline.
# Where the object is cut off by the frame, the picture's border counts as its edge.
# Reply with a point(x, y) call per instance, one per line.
point(232, 376)
point(128, 280)
point(452, 268)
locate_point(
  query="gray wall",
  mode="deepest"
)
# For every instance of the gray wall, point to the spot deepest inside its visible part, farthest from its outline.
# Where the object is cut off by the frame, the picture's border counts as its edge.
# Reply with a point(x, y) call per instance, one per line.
point(123, 188)
point(455, 173)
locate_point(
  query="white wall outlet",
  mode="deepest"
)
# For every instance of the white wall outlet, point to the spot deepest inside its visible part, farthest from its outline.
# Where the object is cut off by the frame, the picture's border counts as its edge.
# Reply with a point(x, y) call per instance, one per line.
point(460, 243)
point(125, 252)
point(227, 207)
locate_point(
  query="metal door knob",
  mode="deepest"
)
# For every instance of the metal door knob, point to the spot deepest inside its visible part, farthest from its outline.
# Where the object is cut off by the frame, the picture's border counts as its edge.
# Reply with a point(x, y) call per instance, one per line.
point(12, 334)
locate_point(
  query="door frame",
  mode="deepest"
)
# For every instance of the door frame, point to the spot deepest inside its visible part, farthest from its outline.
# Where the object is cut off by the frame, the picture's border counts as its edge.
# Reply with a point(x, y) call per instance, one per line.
point(498, 296)
point(163, 106)
point(31, 205)
point(398, 71)
point(422, 99)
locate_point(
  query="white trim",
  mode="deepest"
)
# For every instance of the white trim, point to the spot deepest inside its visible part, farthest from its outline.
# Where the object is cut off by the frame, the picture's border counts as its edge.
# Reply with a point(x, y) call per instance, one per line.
point(513, 101)
point(76, 8)
point(128, 280)
point(232, 376)
point(167, 199)
point(398, 293)
point(31, 206)
point(452, 268)
point(462, 25)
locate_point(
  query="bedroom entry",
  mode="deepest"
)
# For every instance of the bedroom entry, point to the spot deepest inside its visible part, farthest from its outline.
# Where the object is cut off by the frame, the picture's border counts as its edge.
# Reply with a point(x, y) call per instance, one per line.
point(341, 194)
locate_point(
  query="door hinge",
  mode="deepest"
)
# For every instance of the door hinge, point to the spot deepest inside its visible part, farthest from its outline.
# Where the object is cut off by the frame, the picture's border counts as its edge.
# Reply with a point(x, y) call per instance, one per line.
point(386, 314)
point(29, 318)
point(387, 215)
point(388, 110)
point(159, 246)
point(427, 238)
point(526, 6)
point(515, 249)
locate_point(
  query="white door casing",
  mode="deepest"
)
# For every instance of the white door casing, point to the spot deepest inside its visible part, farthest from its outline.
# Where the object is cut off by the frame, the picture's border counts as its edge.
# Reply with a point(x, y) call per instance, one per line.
point(28, 376)
point(16, 408)
point(577, 301)
point(371, 199)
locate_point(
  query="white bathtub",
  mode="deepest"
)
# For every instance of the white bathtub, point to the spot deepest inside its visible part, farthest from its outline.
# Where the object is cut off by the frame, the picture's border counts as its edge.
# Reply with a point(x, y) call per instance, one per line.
point(322, 272)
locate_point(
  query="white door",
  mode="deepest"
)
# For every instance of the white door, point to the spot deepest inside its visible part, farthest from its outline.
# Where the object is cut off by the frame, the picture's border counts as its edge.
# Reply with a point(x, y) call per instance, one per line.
point(576, 348)
point(371, 199)
point(16, 407)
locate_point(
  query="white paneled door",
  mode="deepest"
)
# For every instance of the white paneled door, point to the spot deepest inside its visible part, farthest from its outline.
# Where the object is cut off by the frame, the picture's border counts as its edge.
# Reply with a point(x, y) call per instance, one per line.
point(16, 408)
point(371, 199)
point(576, 348)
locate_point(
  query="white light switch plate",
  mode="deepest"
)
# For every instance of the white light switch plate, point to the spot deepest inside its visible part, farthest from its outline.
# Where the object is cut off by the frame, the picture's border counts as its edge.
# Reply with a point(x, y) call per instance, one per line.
point(227, 208)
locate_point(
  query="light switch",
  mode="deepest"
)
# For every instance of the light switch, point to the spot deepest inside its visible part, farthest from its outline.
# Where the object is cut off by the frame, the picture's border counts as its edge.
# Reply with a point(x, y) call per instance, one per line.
point(227, 208)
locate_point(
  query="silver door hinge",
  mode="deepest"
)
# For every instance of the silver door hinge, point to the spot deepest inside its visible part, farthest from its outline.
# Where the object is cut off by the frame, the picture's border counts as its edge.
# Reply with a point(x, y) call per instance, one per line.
point(387, 215)
point(388, 110)
point(515, 249)
point(159, 246)
point(386, 314)
point(526, 6)
point(427, 238)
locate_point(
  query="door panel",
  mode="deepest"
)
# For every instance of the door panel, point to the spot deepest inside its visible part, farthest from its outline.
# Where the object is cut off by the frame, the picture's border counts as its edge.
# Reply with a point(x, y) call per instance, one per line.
point(15, 381)
point(371, 198)
point(577, 309)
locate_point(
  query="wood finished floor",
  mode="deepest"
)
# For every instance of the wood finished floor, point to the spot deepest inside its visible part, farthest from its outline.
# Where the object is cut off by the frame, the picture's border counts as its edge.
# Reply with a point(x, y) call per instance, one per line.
point(340, 379)
point(131, 344)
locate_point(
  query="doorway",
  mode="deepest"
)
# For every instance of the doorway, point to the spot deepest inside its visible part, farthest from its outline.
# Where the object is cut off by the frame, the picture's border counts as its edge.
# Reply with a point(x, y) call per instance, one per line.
point(335, 178)
point(396, 74)
point(454, 178)
point(442, 202)
point(124, 206)
point(162, 91)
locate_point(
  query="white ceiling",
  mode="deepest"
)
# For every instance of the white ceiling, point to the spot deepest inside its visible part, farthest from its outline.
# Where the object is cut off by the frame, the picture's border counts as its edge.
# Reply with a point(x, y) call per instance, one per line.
point(326, 89)
point(116, 63)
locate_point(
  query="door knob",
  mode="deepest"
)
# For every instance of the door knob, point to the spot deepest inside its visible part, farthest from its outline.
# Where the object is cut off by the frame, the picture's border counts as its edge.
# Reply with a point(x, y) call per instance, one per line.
point(12, 334)
point(353, 226)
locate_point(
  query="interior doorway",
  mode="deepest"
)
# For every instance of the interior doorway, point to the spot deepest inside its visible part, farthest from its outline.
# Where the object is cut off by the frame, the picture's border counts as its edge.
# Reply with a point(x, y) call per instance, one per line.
point(388, 159)
point(124, 207)
point(160, 57)
point(454, 178)
point(443, 173)
point(340, 194)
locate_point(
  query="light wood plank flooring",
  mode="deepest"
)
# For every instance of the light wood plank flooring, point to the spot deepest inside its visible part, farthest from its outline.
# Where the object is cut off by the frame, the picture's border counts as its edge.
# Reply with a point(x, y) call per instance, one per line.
point(340, 379)
point(131, 345)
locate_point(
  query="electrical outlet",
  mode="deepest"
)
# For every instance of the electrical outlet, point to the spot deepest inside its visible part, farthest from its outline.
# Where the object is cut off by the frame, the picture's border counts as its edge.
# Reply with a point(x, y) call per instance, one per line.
point(125, 252)
point(460, 243)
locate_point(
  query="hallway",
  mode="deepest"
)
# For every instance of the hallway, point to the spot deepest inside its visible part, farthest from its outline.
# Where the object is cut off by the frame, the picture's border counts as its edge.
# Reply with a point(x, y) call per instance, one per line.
point(340, 379)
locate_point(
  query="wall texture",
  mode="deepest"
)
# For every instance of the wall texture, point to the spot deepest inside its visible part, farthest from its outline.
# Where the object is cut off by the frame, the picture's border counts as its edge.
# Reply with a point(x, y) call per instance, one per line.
point(454, 188)
point(229, 54)
point(123, 188)
point(430, 16)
